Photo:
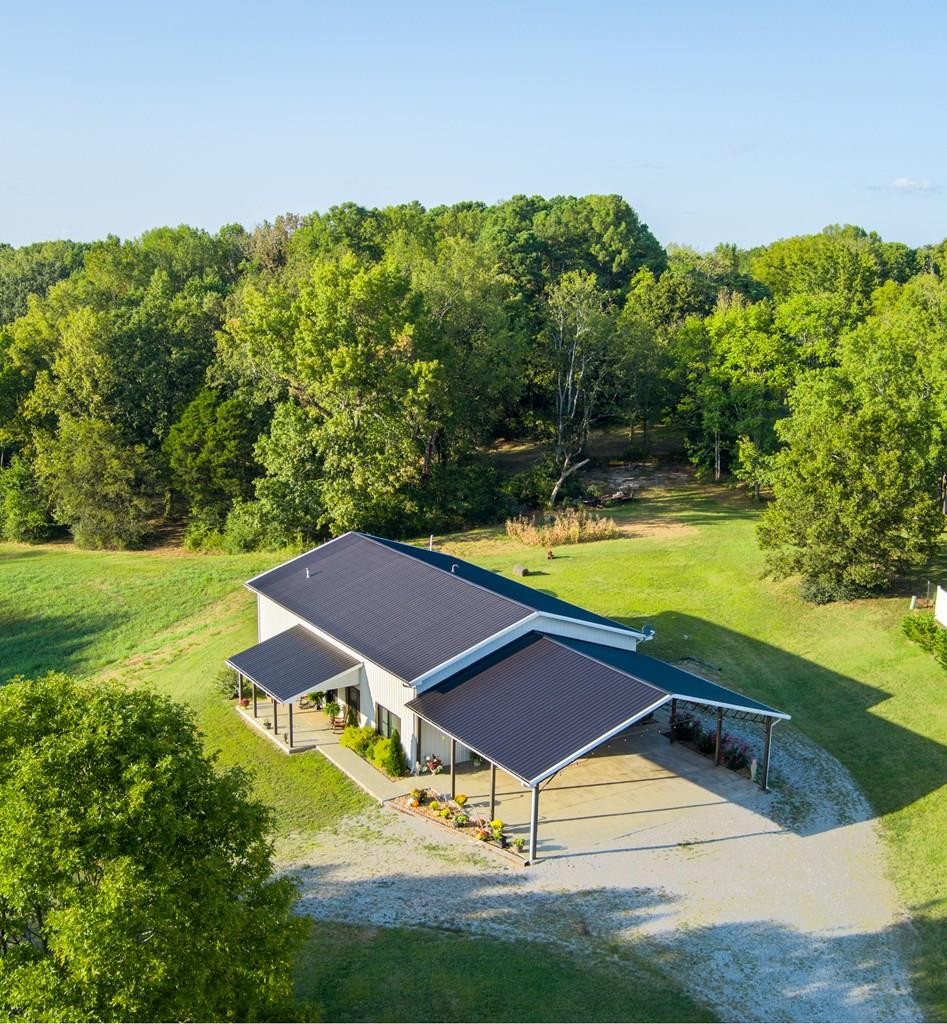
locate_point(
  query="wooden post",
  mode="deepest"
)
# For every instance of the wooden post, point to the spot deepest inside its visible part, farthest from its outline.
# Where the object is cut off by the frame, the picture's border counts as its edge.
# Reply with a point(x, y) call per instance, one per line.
point(453, 768)
point(493, 790)
point(275, 723)
point(417, 732)
point(718, 737)
point(673, 718)
point(533, 823)
point(254, 700)
point(764, 782)
point(290, 726)
point(239, 686)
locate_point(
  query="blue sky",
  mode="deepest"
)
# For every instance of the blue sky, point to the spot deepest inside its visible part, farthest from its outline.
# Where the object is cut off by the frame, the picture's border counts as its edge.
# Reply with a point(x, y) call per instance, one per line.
point(735, 122)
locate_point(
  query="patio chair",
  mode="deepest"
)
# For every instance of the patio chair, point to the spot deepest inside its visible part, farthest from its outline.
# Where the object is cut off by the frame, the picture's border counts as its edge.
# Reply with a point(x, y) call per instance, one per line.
point(338, 724)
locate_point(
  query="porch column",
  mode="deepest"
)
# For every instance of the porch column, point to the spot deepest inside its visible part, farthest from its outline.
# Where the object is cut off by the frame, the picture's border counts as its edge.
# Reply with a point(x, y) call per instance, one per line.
point(533, 823)
point(239, 686)
point(718, 737)
point(417, 733)
point(764, 782)
point(290, 726)
point(254, 700)
point(493, 790)
point(275, 723)
point(453, 768)
point(673, 718)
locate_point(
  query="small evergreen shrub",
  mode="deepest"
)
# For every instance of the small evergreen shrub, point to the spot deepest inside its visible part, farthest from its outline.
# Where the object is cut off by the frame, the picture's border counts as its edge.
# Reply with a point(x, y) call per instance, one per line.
point(396, 764)
point(381, 753)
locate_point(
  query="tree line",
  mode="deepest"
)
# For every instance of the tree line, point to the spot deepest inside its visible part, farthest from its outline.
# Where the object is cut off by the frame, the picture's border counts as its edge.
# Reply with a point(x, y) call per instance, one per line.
point(354, 369)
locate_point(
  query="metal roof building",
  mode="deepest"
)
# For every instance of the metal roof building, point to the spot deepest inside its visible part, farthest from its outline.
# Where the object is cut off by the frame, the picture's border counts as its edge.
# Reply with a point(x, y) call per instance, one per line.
point(440, 644)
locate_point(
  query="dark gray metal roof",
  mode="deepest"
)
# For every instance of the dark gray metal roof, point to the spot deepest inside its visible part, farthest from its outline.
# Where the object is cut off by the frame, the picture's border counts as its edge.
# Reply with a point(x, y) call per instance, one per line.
point(292, 663)
point(398, 611)
point(534, 704)
point(671, 679)
point(520, 592)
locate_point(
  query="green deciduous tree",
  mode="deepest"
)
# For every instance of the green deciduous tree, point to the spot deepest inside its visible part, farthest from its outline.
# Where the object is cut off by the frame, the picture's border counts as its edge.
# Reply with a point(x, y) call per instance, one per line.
point(99, 487)
point(135, 875)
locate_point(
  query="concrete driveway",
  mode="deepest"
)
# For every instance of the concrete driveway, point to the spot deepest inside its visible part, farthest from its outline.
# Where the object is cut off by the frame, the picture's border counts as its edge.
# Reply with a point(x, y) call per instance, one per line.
point(636, 784)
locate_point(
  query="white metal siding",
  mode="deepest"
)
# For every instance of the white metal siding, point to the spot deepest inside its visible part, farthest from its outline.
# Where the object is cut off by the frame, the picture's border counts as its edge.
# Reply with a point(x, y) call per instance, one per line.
point(577, 630)
point(940, 606)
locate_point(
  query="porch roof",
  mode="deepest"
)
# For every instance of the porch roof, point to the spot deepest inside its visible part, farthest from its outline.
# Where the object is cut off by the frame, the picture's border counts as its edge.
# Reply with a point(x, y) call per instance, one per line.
point(543, 701)
point(536, 705)
point(293, 663)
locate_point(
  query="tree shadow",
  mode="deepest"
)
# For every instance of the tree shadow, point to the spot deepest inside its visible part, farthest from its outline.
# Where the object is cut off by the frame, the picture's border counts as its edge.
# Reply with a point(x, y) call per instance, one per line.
point(893, 765)
point(35, 644)
point(763, 969)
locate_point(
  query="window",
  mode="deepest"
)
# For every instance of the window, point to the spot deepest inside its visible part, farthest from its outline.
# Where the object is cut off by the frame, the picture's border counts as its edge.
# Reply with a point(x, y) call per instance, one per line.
point(387, 722)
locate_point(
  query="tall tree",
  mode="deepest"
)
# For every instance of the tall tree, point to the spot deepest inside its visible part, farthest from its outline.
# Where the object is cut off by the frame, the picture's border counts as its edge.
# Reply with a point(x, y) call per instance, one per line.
point(136, 876)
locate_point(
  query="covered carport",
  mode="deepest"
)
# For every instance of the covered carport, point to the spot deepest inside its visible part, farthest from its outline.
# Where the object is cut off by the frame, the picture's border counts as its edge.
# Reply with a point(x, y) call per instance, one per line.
point(542, 702)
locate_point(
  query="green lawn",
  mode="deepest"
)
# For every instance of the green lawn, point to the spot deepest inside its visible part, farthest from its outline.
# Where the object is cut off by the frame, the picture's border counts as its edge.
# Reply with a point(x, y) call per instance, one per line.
point(690, 567)
point(408, 974)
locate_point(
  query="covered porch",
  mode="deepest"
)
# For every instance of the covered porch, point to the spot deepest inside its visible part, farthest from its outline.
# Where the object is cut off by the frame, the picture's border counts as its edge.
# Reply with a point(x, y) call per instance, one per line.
point(275, 677)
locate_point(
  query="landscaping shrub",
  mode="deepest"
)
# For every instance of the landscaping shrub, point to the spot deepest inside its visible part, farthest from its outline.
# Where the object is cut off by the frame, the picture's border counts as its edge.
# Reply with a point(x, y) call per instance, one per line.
point(922, 630)
point(396, 763)
point(706, 741)
point(381, 751)
point(687, 728)
point(570, 526)
point(362, 739)
point(826, 589)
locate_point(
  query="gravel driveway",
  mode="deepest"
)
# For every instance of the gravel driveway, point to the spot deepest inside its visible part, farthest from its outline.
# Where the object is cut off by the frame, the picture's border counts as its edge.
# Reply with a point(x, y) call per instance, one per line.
point(767, 907)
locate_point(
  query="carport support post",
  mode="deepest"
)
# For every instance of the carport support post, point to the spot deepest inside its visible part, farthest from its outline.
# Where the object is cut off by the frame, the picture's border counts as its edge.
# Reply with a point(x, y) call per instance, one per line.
point(673, 718)
point(240, 686)
point(533, 823)
point(453, 768)
point(764, 782)
point(290, 726)
point(254, 700)
point(493, 790)
point(275, 724)
point(718, 737)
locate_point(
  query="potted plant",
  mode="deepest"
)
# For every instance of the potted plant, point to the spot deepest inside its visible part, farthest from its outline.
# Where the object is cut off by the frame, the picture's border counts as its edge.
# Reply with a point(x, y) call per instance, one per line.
point(518, 844)
point(333, 709)
point(433, 764)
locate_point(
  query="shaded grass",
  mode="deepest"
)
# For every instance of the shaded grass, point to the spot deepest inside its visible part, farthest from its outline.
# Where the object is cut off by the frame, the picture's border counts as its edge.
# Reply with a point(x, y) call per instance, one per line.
point(413, 974)
point(307, 793)
point(76, 611)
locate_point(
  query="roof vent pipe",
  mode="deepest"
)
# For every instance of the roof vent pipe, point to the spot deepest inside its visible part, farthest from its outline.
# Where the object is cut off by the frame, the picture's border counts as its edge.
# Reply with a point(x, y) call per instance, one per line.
point(308, 573)
point(454, 567)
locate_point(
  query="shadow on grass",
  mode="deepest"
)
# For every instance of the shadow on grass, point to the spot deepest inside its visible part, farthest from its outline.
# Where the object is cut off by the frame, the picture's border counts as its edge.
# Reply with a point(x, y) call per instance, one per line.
point(34, 645)
point(894, 766)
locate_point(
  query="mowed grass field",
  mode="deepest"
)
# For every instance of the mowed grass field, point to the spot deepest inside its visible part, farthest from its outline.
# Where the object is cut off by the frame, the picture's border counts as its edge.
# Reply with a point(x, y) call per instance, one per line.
point(687, 564)
point(167, 620)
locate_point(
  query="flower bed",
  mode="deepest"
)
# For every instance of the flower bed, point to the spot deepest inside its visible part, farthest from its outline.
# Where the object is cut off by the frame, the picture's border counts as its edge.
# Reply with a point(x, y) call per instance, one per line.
point(735, 754)
point(451, 813)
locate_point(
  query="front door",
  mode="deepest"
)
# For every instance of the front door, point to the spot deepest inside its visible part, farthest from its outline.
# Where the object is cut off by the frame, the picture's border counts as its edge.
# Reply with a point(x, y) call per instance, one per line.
point(352, 699)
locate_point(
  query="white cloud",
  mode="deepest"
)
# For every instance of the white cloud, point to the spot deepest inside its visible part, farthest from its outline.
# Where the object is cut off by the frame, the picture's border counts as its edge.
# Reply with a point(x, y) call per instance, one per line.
point(914, 185)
